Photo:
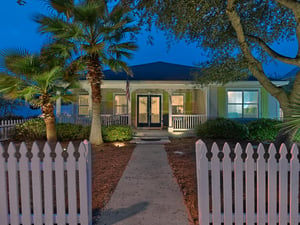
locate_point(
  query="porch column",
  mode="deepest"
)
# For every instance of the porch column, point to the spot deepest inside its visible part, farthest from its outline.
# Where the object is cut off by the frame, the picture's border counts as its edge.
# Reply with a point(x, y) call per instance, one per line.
point(58, 105)
point(170, 127)
point(129, 108)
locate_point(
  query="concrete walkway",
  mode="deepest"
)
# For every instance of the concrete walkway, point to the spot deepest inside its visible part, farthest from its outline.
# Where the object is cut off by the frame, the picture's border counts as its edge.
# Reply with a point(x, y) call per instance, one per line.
point(147, 193)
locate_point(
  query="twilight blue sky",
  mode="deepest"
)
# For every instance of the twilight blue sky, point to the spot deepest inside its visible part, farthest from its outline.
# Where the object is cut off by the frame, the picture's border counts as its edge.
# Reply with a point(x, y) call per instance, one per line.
point(19, 30)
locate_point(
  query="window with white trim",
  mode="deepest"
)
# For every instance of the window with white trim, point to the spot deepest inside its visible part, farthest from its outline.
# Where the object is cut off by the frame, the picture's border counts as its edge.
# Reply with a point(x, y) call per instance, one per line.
point(177, 104)
point(83, 105)
point(242, 104)
point(120, 104)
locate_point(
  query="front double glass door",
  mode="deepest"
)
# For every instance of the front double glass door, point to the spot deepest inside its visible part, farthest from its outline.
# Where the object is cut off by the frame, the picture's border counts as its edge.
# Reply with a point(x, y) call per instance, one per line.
point(149, 110)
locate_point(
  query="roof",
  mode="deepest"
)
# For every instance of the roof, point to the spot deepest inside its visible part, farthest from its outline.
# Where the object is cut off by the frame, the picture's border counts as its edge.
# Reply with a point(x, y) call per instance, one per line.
point(163, 71)
point(155, 71)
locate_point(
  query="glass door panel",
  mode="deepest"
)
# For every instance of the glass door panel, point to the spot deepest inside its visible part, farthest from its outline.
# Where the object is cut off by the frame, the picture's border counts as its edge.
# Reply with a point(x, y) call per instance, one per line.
point(143, 110)
point(155, 110)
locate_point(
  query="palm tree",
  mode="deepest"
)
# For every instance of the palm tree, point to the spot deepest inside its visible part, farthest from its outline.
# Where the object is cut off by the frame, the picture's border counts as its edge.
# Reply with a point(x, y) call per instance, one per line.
point(103, 35)
point(30, 77)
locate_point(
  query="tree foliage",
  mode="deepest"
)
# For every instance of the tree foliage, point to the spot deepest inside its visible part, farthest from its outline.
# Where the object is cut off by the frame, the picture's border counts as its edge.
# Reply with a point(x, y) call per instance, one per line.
point(98, 34)
point(230, 30)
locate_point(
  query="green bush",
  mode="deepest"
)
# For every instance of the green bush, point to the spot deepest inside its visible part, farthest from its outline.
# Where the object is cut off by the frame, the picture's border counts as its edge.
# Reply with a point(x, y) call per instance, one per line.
point(263, 129)
point(222, 128)
point(34, 129)
point(68, 131)
point(117, 133)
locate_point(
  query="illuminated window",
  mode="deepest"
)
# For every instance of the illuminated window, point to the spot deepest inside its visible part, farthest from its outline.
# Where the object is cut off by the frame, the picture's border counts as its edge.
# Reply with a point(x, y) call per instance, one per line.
point(177, 104)
point(242, 104)
point(120, 104)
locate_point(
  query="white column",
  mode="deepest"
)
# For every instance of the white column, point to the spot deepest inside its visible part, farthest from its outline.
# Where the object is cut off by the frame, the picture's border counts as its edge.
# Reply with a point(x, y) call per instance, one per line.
point(170, 127)
point(129, 108)
point(58, 105)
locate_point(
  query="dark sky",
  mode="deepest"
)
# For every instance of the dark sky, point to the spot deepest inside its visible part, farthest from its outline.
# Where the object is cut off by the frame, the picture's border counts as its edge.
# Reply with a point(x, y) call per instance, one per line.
point(19, 30)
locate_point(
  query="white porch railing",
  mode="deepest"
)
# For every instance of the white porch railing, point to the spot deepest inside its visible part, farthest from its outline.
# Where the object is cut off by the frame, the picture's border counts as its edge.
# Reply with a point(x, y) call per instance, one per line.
point(187, 122)
point(6, 128)
point(106, 120)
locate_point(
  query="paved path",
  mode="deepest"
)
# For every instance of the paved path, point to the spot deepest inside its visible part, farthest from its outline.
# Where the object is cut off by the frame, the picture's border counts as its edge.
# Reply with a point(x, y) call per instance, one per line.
point(147, 193)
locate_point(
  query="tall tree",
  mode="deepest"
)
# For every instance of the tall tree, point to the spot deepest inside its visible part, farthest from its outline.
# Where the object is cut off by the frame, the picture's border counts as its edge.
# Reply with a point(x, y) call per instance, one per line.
point(103, 36)
point(30, 77)
point(235, 28)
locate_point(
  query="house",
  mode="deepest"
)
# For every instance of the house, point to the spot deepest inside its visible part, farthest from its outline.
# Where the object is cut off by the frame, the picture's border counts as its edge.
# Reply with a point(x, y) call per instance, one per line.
point(164, 95)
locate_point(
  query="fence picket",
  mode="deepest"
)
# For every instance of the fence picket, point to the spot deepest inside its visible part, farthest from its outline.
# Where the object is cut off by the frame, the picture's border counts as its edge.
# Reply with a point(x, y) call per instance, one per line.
point(48, 186)
point(227, 185)
point(238, 184)
point(272, 185)
point(83, 188)
point(60, 186)
point(13, 185)
point(71, 174)
point(261, 186)
point(24, 186)
point(203, 187)
point(283, 188)
point(249, 169)
point(215, 183)
point(294, 186)
point(3, 189)
point(36, 185)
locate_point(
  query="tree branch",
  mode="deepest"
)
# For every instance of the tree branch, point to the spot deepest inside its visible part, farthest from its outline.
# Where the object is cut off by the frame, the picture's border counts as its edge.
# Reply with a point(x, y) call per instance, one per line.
point(254, 65)
point(288, 60)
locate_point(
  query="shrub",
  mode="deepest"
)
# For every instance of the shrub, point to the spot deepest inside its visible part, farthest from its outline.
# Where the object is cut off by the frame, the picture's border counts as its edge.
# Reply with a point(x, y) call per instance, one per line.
point(69, 131)
point(34, 129)
point(263, 129)
point(117, 133)
point(222, 128)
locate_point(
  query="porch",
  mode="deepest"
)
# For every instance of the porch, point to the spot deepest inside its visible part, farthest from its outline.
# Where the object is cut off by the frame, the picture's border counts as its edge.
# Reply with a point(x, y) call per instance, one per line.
point(178, 122)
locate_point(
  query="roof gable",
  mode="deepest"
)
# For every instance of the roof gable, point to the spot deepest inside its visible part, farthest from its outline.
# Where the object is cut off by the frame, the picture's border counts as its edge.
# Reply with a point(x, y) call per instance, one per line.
point(154, 71)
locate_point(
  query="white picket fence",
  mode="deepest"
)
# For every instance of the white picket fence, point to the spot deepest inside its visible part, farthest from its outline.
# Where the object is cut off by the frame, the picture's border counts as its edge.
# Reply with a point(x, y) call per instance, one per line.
point(254, 190)
point(187, 122)
point(106, 120)
point(45, 191)
point(6, 128)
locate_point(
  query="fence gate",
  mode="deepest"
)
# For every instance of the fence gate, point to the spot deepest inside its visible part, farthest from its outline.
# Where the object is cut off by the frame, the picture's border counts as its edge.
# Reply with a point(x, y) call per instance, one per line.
point(45, 187)
point(252, 186)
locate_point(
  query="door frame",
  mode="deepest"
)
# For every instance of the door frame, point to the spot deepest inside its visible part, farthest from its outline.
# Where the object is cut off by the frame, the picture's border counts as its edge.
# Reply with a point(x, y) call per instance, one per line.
point(149, 125)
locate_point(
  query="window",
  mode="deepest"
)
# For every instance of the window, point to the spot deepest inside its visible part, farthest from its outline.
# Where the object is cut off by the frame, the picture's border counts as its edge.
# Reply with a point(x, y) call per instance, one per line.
point(242, 104)
point(177, 104)
point(120, 104)
point(83, 105)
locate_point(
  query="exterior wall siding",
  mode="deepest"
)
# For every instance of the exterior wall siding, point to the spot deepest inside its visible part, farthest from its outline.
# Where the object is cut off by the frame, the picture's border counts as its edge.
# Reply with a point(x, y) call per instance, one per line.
point(264, 103)
point(221, 95)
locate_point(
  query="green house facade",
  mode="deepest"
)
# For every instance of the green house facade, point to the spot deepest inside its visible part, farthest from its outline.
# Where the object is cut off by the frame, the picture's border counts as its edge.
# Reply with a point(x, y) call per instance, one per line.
point(165, 96)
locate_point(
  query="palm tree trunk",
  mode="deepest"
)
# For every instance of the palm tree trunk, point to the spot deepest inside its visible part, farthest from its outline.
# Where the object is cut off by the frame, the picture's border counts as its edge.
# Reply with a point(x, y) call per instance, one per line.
point(95, 76)
point(96, 134)
point(49, 118)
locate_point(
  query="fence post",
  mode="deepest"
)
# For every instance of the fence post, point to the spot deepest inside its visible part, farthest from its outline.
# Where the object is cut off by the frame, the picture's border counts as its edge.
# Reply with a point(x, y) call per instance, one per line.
point(202, 174)
point(227, 185)
point(3, 189)
point(261, 186)
point(294, 192)
point(272, 192)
